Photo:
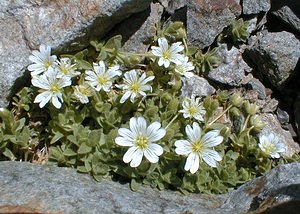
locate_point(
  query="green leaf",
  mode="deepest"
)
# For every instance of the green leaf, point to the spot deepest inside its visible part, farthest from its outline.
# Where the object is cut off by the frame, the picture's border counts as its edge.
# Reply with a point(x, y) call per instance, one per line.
point(19, 124)
point(100, 169)
point(69, 152)
point(114, 43)
point(57, 154)
point(9, 154)
point(94, 138)
point(82, 169)
point(135, 185)
point(85, 65)
point(84, 149)
point(57, 136)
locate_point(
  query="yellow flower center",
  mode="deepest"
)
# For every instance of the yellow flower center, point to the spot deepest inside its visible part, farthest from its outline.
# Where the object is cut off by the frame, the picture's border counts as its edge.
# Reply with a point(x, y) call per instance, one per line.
point(270, 148)
point(142, 142)
point(55, 88)
point(180, 68)
point(197, 146)
point(166, 54)
point(47, 64)
point(135, 87)
point(64, 69)
point(102, 80)
point(84, 90)
point(192, 110)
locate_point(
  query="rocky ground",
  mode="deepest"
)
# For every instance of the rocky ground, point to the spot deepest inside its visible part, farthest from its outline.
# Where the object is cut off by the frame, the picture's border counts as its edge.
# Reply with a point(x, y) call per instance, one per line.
point(30, 188)
point(266, 66)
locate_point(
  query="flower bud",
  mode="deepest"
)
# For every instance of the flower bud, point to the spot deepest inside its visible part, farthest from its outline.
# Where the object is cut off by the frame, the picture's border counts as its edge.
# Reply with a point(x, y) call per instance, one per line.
point(251, 108)
point(236, 99)
point(256, 122)
point(181, 33)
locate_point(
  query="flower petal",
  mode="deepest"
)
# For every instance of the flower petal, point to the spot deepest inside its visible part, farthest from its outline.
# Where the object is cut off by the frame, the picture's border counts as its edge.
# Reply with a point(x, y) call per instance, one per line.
point(152, 153)
point(156, 51)
point(156, 149)
point(129, 155)
point(211, 157)
point(192, 163)
point(212, 138)
point(137, 158)
point(163, 43)
point(194, 134)
point(141, 125)
point(126, 133)
point(123, 141)
point(43, 98)
point(125, 96)
point(153, 128)
point(56, 102)
point(159, 134)
point(183, 147)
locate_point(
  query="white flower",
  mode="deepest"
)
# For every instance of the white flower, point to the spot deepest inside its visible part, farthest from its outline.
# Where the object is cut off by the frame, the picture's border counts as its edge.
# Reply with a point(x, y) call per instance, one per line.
point(197, 147)
point(42, 60)
point(193, 108)
point(184, 68)
point(134, 85)
point(83, 92)
point(140, 139)
point(271, 146)
point(66, 68)
point(51, 87)
point(167, 55)
point(100, 77)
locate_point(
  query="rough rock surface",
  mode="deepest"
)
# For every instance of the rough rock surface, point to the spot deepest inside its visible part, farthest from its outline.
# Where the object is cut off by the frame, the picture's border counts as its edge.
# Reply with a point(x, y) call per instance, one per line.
point(30, 188)
point(233, 69)
point(273, 126)
point(276, 192)
point(288, 12)
point(45, 189)
point(196, 86)
point(297, 115)
point(206, 19)
point(137, 42)
point(256, 85)
point(255, 6)
point(13, 54)
point(66, 25)
point(276, 56)
point(172, 5)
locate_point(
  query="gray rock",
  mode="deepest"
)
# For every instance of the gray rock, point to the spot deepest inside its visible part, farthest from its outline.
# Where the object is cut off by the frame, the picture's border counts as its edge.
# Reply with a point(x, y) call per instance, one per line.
point(31, 188)
point(288, 12)
point(69, 25)
point(233, 69)
point(64, 25)
point(137, 42)
point(172, 5)
point(276, 192)
point(276, 56)
point(207, 19)
point(49, 189)
point(282, 116)
point(297, 114)
point(14, 54)
point(273, 126)
point(270, 105)
point(255, 6)
point(196, 86)
point(256, 85)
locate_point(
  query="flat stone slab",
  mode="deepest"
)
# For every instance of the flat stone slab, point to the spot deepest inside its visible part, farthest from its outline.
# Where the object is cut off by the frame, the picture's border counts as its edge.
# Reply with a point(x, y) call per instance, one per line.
point(31, 188)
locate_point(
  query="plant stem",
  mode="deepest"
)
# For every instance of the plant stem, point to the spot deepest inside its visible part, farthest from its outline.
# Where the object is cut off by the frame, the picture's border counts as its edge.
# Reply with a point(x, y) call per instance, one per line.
point(174, 118)
point(219, 116)
point(246, 122)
